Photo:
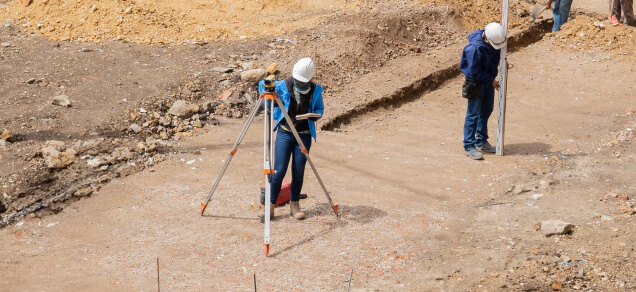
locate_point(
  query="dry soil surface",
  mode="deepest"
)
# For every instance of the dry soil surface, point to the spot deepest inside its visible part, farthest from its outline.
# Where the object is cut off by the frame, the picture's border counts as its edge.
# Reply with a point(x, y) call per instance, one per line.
point(415, 213)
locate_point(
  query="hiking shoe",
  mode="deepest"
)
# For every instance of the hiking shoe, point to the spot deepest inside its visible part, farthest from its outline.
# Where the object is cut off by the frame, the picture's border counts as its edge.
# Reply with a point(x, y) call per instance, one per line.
point(487, 148)
point(474, 154)
point(294, 210)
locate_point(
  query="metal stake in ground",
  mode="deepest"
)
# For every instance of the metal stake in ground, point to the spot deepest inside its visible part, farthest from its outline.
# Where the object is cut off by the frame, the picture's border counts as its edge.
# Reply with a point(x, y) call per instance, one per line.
point(503, 72)
point(158, 283)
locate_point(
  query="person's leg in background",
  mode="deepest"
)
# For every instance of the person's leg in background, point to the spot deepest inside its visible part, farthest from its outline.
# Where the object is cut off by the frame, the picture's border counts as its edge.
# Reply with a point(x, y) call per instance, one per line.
point(628, 10)
point(561, 13)
point(298, 167)
point(470, 123)
point(298, 173)
point(556, 16)
point(615, 14)
point(487, 94)
point(284, 147)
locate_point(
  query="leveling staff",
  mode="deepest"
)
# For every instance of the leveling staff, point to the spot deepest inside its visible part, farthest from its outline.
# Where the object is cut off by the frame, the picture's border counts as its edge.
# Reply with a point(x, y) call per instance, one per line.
point(300, 96)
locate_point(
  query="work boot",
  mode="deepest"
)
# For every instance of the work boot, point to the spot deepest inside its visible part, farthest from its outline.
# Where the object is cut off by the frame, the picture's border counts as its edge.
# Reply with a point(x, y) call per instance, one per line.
point(487, 148)
point(272, 207)
point(474, 154)
point(294, 210)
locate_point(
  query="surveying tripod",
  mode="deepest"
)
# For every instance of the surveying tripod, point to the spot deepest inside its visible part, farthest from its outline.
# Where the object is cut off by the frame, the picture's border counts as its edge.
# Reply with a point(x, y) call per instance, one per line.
point(268, 98)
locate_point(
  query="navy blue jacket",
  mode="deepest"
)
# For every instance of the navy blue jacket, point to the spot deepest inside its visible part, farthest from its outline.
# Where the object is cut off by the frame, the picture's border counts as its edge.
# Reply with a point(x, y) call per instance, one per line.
point(479, 60)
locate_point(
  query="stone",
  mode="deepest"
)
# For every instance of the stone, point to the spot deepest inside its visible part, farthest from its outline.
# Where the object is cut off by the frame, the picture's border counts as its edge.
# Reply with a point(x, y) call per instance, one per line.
point(197, 124)
point(55, 159)
point(226, 94)
point(5, 135)
point(519, 189)
point(226, 83)
point(164, 122)
point(623, 197)
point(30, 81)
point(152, 148)
point(61, 100)
point(94, 162)
point(210, 105)
point(141, 146)
point(122, 154)
point(612, 195)
point(3, 144)
point(249, 98)
point(556, 227)
point(5, 45)
point(222, 69)
point(183, 109)
point(272, 68)
point(135, 128)
point(557, 286)
point(606, 218)
point(537, 196)
point(247, 65)
point(164, 135)
point(253, 75)
point(84, 191)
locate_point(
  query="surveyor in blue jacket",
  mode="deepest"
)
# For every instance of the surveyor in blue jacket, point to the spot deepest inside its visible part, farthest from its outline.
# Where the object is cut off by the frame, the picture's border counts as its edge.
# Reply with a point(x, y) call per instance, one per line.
point(480, 62)
point(300, 96)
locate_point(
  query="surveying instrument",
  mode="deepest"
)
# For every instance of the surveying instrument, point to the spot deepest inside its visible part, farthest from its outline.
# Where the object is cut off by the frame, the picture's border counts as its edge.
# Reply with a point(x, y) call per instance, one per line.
point(268, 99)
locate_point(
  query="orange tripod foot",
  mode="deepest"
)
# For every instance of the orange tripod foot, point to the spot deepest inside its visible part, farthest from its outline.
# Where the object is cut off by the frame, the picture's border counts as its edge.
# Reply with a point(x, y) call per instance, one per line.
point(267, 249)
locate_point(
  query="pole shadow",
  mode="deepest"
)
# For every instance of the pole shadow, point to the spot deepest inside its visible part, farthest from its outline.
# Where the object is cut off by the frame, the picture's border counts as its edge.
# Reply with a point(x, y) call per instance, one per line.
point(230, 217)
point(534, 148)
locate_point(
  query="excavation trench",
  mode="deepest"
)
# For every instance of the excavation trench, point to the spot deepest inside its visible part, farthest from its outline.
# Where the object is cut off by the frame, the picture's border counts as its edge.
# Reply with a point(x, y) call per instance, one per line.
point(432, 81)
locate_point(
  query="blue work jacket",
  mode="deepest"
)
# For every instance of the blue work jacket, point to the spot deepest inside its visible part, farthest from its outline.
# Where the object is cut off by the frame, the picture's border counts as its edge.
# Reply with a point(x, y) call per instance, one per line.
point(479, 60)
point(316, 104)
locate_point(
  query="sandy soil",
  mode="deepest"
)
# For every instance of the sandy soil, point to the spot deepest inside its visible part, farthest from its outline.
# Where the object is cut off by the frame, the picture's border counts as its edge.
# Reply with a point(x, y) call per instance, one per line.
point(416, 214)
point(448, 225)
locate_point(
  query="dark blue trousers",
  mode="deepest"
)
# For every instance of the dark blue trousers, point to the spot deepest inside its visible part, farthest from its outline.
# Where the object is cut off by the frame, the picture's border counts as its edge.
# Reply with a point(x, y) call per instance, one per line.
point(477, 115)
point(286, 148)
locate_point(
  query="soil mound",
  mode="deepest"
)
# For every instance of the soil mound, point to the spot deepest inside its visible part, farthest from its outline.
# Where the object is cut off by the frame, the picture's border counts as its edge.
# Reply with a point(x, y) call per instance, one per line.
point(167, 22)
point(595, 37)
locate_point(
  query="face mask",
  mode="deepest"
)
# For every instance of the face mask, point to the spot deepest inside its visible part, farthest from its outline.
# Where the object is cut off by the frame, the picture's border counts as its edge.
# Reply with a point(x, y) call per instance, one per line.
point(302, 87)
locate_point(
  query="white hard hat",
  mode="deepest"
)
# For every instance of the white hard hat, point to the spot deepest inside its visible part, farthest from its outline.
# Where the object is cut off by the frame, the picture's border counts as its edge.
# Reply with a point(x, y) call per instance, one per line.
point(304, 70)
point(495, 35)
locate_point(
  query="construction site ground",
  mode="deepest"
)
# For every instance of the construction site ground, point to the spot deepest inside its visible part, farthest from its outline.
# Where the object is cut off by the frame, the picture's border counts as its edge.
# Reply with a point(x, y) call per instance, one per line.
point(416, 214)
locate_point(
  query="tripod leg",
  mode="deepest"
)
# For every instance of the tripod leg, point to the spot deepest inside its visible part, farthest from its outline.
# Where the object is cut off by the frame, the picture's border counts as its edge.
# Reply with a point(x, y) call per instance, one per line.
point(304, 151)
point(267, 169)
point(232, 152)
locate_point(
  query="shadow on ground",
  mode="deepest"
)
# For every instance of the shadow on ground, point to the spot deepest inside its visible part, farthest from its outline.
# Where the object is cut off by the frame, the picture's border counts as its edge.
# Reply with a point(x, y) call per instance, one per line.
point(347, 214)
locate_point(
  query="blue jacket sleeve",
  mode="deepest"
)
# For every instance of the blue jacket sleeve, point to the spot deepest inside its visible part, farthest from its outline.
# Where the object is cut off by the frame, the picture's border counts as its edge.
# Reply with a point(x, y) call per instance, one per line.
point(474, 65)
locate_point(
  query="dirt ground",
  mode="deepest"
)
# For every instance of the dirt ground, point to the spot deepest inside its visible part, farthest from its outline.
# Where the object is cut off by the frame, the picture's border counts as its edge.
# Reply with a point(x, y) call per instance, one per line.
point(416, 214)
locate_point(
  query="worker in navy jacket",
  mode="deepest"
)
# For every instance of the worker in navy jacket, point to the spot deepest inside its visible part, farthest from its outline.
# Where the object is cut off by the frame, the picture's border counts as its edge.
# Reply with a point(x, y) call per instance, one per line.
point(480, 61)
point(300, 96)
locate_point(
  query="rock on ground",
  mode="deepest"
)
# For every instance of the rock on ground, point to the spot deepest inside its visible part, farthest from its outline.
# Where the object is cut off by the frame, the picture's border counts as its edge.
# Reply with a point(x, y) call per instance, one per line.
point(556, 227)
point(61, 100)
point(55, 158)
point(254, 75)
point(183, 109)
